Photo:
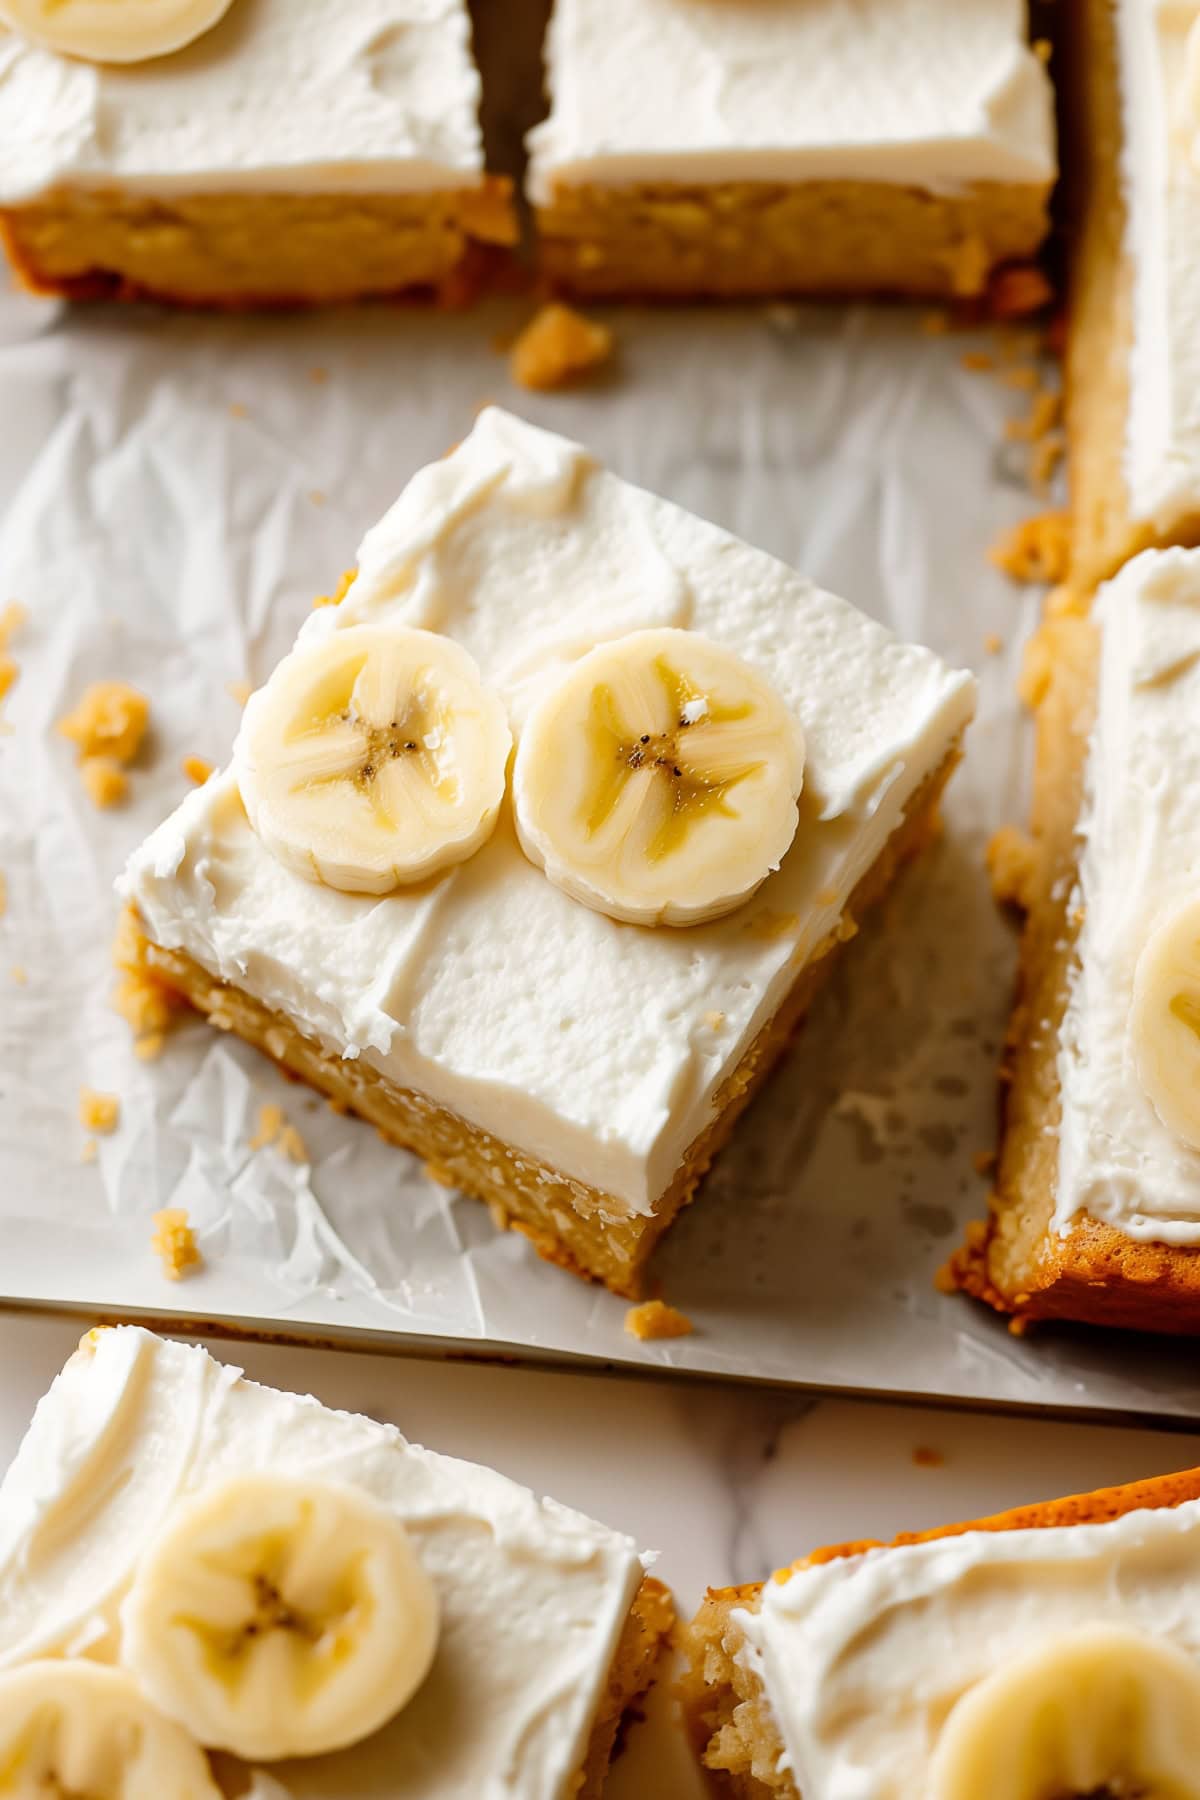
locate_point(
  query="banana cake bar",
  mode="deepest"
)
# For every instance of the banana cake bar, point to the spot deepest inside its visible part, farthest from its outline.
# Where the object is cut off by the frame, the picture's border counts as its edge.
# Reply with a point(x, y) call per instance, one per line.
point(556, 972)
point(244, 152)
point(725, 147)
point(1096, 1214)
point(1051, 1650)
point(1133, 359)
point(209, 1587)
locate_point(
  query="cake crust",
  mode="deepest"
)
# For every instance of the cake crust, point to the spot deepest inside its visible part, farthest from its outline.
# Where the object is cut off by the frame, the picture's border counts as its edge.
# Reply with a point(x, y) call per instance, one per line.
point(243, 252)
point(746, 239)
point(725, 1707)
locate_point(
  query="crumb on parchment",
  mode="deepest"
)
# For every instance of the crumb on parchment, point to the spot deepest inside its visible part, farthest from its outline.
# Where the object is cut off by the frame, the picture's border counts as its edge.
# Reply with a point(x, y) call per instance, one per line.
point(174, 1242)
point(239, 691)
point(1036, 550)
point(109, 720)
point(275, 1129)
point(557, 347)
point(197, 769)
point(105, 782)
point(1018, 290)
point(655, 1319)
point(345, 582)
point(993, 643)
point(97, 1111)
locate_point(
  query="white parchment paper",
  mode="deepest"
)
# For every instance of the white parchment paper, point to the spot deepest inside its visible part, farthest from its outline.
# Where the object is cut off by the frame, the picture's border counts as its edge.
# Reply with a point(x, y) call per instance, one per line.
point(175, 490)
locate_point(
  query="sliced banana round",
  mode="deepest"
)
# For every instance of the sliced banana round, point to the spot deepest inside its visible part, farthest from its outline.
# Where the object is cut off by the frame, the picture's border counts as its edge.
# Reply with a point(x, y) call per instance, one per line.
point(116, 31)
point(1099, 1710)
point(1164, 1021)
point(77, 1728)
point(657, 780)
point(373, 758)
point(275, 1617)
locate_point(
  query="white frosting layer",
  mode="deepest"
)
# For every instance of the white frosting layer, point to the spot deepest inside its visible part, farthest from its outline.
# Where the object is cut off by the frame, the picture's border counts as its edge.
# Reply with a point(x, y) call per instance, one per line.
point(1140, 858)
point(533, 1597)
point(300, 95)
point(1162, 230)
point(862, 1659)
point(594, 1046)
point(934, 93)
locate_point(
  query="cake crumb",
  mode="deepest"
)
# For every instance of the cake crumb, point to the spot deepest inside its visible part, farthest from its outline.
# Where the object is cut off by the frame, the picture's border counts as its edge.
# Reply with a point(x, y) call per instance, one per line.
point(197, 769)
point(993, 643)
point(345, 581)
point(105, 781)
point(18, 976)
point(144, 1004)
point(11, 620)
point(926, 1457)
point(90, 1151)
point(1037, 550)
point(1018, 1326)
point(238, 411)
point(1018, 290)
point(239, 691)
point(1043, 49)
point(109, 720)
point(293, 1145)
point(499, 1215)
point(9, 670)
point(1020, 375)
point(557, 347)
point(977, 361)
point(270, 1124)
point(98, 1112)
point(983, 1162)
point(146, 1049)
point(655, 1319)
point(714, 1020)
point(318, 496)
point(175, 1242)
point(1011, 859)
point(936, 324)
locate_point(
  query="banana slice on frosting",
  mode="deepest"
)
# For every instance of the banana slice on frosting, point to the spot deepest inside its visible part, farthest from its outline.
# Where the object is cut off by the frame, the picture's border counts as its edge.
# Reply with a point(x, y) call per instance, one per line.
point(1164, 1022)
point(373, 758)
point(1102, 1710)
point(277, 1618)
point(657, 781)
point(78, 1729)
point(115, 31)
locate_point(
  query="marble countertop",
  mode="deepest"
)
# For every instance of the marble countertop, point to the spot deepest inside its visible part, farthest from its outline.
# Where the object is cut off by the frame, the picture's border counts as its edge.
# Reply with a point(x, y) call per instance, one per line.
point(727, 1483)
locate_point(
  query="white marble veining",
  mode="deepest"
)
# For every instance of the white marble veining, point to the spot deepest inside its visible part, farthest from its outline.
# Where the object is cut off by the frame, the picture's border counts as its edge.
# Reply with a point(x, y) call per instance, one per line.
point(727, 1482)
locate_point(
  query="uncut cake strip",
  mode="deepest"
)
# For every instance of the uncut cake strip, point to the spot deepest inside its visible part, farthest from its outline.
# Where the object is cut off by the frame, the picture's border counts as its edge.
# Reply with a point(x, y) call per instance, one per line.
point(891, 146)
point(547, 1625)
point(1132, 361)
point(1096, 1214)
point(991, 1657)
point(577, 1071)
point(290, 155)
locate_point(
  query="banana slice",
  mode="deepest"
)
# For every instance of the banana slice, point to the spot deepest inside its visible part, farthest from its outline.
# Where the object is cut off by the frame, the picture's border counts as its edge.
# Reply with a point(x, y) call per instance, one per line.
point(275, 1617)
point(115, 31)
point(373, 758)
point(77, 1728)
point(1101, 1710)
point(657, 781)
point(1164, 1022)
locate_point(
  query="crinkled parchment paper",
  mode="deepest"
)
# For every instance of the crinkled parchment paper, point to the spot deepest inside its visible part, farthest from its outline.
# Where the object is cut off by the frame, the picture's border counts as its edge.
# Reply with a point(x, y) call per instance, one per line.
point(175, 490)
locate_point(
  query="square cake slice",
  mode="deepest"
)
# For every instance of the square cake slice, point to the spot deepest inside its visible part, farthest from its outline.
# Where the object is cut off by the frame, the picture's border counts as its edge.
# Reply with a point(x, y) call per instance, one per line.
point(1096, 1214)
point(1133, 361)
point(718, 767)
point(253, 1576)
point(1047, 1651)
point(290, 154)
point(1054, 1649)
point(742, 147)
